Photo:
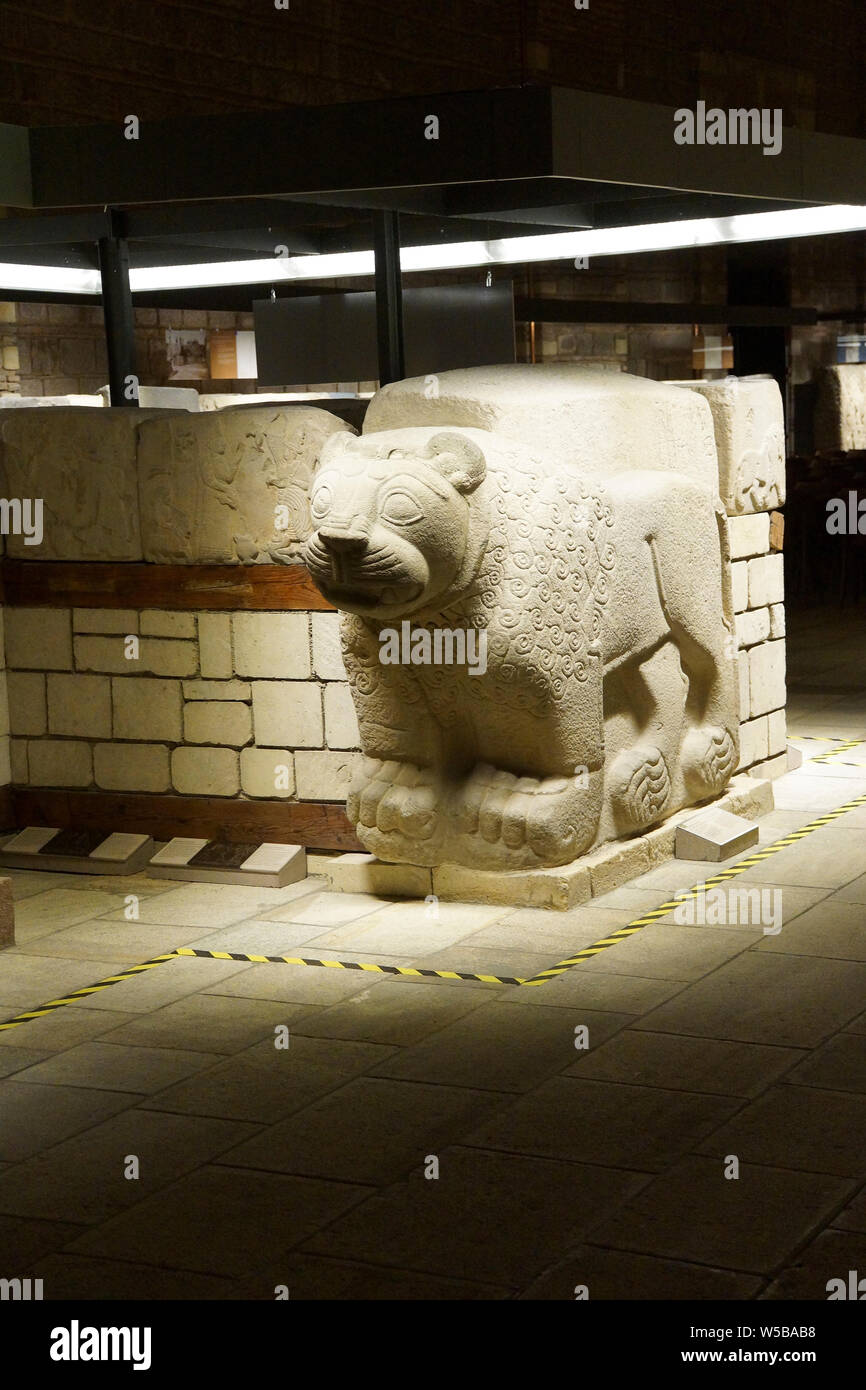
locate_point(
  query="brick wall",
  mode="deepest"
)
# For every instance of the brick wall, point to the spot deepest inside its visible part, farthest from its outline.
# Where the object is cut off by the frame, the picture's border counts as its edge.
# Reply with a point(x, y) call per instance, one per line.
point(244, 704)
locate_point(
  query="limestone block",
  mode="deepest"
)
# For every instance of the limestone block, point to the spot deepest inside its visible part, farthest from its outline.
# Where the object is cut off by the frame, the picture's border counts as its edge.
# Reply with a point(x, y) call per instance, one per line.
point(162, 397)
point(772, 767)
point(341, 722)
point(753, 741)
point(215, 645)
point(767, 677)
point(766, 581)
point(511, 508)
point(229, 487)
point(753, 626)
point(777, 736)
point(131, 767)
point(750, 535)
point(714, 835)
point(59, 763)
point(105, 620)
point(205, 771)
point(363, 873)
point(777, 620)
point(18, 761)
point(160, 622)
point(743, 680)
point(288, 713)
point(840, 410)
point(7, 914)
point(584, 417)
point(83, 468)
point(749, 427)
point(740, 585)
point(327, 651)
point(272, 644)
point(217, 690)
point(268, 772)
point(324, 776)
point(147, 709)
point(79, 705)
point(157, 656)
point(28, 713)
point(217, 721)
point(38, 639)
point(38, 402)
point(558, 889)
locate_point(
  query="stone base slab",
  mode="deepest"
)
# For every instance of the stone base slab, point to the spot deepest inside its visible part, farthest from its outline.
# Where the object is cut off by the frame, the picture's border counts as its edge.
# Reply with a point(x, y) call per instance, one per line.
point(605, 868)
point(76, 851)
point(265, 865)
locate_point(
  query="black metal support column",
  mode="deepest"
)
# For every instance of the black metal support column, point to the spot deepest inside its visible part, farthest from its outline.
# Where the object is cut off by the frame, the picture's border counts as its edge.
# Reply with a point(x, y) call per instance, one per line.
point(119, 320)
point(389, 297)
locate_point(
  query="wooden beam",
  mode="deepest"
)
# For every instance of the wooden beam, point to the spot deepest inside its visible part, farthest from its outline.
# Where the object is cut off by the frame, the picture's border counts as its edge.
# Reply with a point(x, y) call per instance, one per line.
point(58, 584)
point(316, 825)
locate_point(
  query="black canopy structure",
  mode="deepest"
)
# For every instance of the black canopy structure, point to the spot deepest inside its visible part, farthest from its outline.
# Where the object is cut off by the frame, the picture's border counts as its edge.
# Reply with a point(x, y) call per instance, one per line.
point(412, 171)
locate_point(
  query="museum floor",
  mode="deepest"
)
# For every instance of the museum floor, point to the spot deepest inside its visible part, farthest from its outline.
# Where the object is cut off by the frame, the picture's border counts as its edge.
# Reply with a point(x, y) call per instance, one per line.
point(558, 1167)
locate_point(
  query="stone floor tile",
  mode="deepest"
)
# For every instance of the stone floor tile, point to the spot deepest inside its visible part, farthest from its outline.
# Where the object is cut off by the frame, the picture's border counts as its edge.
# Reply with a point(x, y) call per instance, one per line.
point(643, 1128)
point(207, 1023)
point(682, 1063)
point(783, 1001)
point(830, 1256)
point(264, 1084)
point(165, 983)
point(312, 1278)
point(73, 1277)
point(498, 1048)
point(693, 1213)
point(797, 1127)
point(33, 1117)
point(341, 1135)
point(63, 1028)
point(216, 1221)
point(617, 1274)
point(834, 930)
point(492, 1217)
point(83, 1178)
point(396, 1011)
point(109, 1066)
point(22, 1242)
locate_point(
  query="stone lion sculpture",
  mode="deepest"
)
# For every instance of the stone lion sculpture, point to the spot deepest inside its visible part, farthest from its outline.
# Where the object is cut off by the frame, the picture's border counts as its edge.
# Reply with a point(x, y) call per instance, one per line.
point(571, 522)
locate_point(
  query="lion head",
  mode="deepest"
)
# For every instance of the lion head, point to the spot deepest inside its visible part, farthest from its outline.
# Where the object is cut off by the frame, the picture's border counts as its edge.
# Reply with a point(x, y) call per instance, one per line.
point(392, 520)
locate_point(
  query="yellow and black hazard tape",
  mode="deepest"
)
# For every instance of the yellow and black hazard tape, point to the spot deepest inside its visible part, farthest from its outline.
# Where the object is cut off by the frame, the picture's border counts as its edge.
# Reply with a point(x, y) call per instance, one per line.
point(85, 991)
point(843, 746)
point(587, 953)
point(731, 871)
point(410, 970)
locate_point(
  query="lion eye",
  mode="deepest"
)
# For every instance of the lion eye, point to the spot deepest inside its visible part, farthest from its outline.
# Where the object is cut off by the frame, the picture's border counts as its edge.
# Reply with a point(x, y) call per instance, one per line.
point(321, 502)
point(401, 509)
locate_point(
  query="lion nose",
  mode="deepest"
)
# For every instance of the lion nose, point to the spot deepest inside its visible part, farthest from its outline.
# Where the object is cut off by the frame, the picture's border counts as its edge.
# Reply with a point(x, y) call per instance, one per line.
point(342, 542)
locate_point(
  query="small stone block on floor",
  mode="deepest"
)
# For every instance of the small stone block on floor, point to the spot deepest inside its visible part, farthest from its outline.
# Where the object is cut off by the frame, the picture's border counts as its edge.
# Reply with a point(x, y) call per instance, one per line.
point(267, 865)
point(795, 757)
point(7, 914)
point(77, 850)
point(364, 873)
point(714, 835)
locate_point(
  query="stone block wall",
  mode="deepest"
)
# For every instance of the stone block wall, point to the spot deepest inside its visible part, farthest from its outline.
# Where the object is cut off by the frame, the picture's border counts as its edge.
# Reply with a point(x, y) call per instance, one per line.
point(758, 581)
point(241, 704)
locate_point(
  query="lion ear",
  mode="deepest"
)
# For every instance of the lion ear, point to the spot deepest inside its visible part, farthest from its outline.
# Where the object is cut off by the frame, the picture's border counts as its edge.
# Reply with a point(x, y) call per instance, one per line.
point(458, 459)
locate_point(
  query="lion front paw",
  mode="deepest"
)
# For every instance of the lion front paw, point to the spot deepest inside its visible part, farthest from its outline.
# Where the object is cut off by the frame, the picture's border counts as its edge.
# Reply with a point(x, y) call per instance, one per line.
point(640, 787)
point(518, 821)
point(394, 798)
point(709, 760)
